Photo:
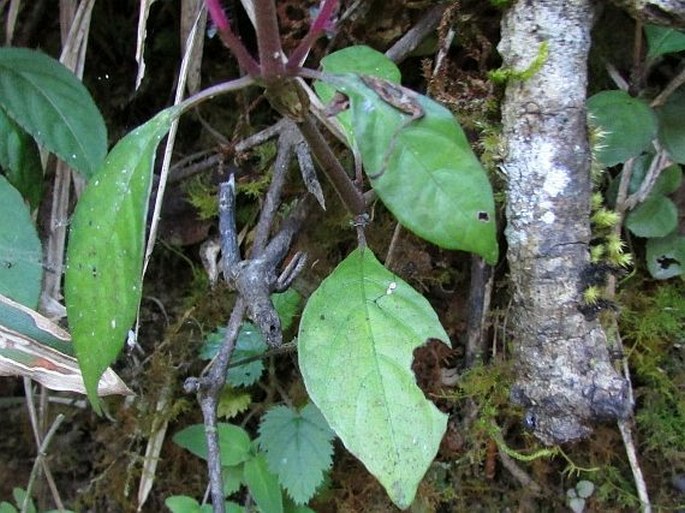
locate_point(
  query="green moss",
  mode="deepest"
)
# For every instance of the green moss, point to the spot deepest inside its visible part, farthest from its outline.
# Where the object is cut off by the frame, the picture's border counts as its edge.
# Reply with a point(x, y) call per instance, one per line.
point(502, 75)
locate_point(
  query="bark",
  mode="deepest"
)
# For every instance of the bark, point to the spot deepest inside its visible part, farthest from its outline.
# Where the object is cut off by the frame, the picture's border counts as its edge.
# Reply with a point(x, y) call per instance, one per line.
point(670, 13)
point(565, 379)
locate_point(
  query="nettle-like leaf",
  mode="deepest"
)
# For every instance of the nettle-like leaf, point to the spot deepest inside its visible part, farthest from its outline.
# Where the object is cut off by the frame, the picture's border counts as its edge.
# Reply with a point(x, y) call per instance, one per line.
point(671, 126)
point(103, 281)
point(263, 485)
point(21, 254)
point(20, 160)
point(232, 402)
point(234, 443)
point(250, 343)
point(355, 348)
point(287, 305)
point(629, 125)
point(665, 256)
point(663, 40)
point(298, 448)
point(421, 165)
point(51, 104)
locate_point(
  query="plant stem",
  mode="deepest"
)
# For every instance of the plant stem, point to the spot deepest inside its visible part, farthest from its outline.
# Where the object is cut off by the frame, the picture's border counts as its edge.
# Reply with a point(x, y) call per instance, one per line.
point(349, 194)
point(322, 20)
point(212, 92)
point(268, 41)
point(245, 60)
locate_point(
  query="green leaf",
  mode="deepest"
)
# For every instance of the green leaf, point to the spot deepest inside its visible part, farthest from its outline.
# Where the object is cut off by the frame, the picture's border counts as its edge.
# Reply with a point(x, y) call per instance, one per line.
point(51, 104)
point(672, 127)
point(662, 40)
point(355, 59)
point(426, 173)
point(233, 478)
point(103, 281)
point(355, 348)
point(657, 216)
point(232, 402)
point(30, 323)
point(250, 343)
point(20, 159)
point(629, 124)
point(298, 448)
point(234, 442)
point(19, 495)
point(263, 485)
point(666, 256)
point(21, 254)
point(6, 507)
point(287, 305)
point(182, 504)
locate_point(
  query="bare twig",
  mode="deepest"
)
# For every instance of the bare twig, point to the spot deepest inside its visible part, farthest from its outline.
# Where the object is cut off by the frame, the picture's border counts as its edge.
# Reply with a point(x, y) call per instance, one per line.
point(40, 443)
point(479, 305)
point(519, 474)
point(411, 40)
point(670, 88)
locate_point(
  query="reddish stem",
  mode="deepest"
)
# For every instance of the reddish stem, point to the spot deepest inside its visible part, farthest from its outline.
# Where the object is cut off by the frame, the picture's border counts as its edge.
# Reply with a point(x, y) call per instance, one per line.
point(321, 23)
point(245, 60)
point(269, 41)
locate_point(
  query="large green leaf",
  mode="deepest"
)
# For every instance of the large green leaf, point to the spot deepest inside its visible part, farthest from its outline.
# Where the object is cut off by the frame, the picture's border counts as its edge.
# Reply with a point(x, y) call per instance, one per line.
point(104, 258)
point(234, 442)
point(21, 254)
point(51, 104)
point(423, 169)
point(355, 348)
point(355, 59)
point(20, 160)
point(629, 125)
point(672, 125)
point(662, 40)
point(263, 485)
point(656, 217)
point(298, 448)
point(666, 256)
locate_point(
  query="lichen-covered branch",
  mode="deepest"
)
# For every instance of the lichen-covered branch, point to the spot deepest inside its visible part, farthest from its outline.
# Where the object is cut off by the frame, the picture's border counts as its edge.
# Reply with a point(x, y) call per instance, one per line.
point(565, 379)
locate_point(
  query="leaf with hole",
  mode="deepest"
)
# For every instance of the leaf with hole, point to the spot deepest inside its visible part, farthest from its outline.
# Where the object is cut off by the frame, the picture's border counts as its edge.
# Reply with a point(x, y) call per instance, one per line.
point(421, 165)
point(355, 347)
point(103, 280)
point(51, 104)
point(629, 125)
point(21, 253)
point(666, 256)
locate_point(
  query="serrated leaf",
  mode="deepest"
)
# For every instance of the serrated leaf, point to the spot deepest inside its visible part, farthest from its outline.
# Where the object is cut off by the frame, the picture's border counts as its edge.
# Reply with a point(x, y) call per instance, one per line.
point(20, 160)
point(233, 478)
point(298, 448)
point(103, 280)
point(232, 402)
point(287, 305)
point(51, 104)
point(666, 256)
point(21, 254)
point(671, 126)
point(662, 40)
point(629, 125)
point(657, 216)
point(234, 442)
point(263, 485)
point(423, 169)
point(355, 347)
point(182, 504)
point(355, 59)
point(250, 343)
